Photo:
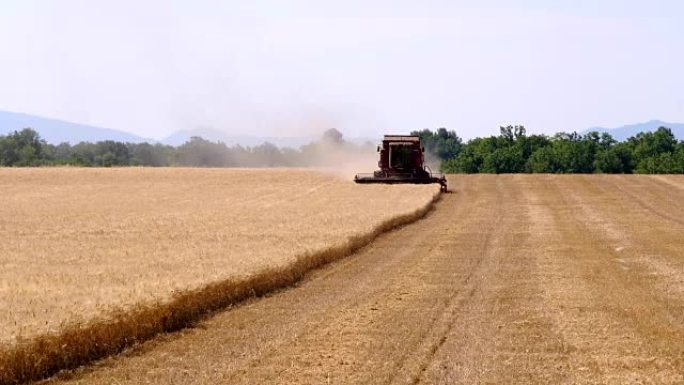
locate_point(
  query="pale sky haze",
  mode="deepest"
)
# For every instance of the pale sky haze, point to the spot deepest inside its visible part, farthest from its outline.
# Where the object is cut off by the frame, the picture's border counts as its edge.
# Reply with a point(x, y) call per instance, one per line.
point(287, 68)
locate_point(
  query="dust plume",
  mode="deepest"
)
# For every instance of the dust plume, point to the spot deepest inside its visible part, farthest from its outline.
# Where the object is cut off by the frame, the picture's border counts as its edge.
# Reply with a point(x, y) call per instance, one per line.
point(339, 157)
point(432, 160)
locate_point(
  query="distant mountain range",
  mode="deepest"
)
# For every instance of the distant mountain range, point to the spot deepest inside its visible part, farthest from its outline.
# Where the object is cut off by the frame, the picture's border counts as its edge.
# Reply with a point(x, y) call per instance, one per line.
point(57, 131)
point(624, 132)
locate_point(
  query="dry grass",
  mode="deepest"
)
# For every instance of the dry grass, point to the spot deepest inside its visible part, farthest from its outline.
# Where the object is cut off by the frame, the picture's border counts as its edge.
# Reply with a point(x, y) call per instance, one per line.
point(95, 260)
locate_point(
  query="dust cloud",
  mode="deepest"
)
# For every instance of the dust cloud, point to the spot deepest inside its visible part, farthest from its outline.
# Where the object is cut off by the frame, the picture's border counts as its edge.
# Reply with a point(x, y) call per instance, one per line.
point(334, 155)
point(432, 161)
point(346, 161)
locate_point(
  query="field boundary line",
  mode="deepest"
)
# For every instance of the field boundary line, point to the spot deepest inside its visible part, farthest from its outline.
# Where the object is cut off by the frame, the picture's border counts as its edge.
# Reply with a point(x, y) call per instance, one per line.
point(79, 344)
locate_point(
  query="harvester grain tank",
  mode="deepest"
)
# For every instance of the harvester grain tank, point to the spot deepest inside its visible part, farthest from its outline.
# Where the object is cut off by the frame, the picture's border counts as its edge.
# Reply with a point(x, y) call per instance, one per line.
point(402, 161)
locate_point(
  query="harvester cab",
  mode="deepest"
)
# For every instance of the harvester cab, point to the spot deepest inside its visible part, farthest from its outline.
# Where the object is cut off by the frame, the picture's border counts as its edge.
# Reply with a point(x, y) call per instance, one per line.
point(402, 161)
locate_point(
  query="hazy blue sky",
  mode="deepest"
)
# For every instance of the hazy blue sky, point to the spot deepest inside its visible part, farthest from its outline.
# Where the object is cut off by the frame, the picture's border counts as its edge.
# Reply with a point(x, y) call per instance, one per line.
point(365, 67)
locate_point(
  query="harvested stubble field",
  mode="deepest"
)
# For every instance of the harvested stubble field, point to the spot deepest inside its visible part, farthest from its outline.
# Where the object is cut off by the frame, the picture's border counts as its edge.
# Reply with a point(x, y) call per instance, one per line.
point(82, 245)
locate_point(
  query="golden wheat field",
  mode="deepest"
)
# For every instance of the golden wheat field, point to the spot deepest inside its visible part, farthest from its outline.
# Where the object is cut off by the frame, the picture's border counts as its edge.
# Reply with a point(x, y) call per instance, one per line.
point(77, 243)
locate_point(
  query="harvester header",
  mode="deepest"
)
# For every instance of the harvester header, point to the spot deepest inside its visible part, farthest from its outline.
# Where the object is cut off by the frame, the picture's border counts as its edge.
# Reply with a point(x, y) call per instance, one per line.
point(402, 161)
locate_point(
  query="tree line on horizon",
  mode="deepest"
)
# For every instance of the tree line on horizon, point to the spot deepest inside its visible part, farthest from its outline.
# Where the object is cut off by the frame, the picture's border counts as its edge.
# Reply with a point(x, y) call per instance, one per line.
point(25, 148)
point(512, 151)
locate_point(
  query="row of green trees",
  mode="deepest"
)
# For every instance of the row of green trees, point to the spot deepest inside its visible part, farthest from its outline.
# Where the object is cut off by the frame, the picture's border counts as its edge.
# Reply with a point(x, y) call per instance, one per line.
point(26, 148)
point(513, 151)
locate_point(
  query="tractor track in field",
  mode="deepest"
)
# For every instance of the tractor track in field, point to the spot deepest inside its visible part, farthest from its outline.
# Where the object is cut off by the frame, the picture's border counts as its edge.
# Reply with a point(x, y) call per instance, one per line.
point(511, 279)
point(650, 206)
point(456, 301)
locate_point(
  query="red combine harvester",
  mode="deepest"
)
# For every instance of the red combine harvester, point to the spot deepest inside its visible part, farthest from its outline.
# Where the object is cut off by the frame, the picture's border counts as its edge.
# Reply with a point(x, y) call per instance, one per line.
point(401, 161)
